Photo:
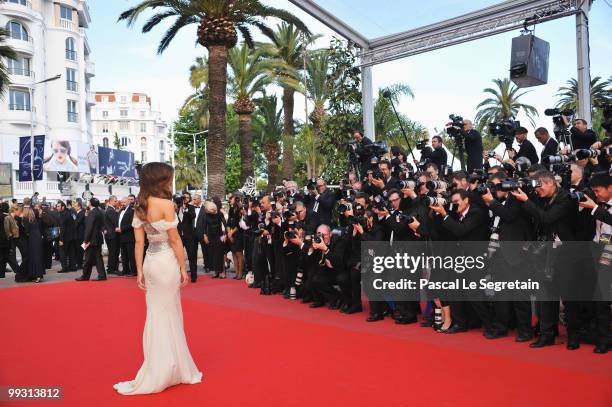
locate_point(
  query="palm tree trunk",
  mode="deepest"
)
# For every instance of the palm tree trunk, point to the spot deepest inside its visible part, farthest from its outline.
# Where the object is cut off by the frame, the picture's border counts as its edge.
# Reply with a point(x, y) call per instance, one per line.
point(288, 133)
point(217, 80)
point(272, 152)
point(246, 147)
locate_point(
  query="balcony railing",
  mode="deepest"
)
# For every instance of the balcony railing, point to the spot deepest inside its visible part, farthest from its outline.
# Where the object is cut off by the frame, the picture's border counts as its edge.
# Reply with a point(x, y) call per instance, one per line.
point(24, 3)
point(19, 106)
point(71, 55)
point(20, 71)
point(72, 86)
point(67, 24)
point(72, 117)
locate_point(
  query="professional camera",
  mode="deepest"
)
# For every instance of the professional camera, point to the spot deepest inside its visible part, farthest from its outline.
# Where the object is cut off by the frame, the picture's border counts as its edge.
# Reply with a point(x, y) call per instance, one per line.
point(560, 127)
point(178, 199)
point(435, 185)
point(379, 203)
point(377, 148)
point(478, 175)
point(311, 184)
point(580, 196)
point(342, 208)
point(559, 159)
point(317, 238)
point(421, 144)
point(505, 131)
point(587, 153)
point(412, 184)
point(513, 184)
point(376, 173)
point(399, 217)
point(290, 234)
point(260, 228)
point(455, 127)
point(482, 188)
point(490, 154)
point(435, 201)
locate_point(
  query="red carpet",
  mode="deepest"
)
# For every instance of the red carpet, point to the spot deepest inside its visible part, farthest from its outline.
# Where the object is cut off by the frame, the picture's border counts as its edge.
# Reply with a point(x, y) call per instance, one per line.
point(266, 351)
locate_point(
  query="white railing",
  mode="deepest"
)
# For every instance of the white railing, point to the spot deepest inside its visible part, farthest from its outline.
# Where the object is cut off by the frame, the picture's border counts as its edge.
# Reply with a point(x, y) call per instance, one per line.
point(67, 24)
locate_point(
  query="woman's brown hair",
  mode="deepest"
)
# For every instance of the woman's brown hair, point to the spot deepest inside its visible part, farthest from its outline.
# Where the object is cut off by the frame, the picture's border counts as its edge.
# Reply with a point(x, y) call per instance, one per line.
point(155, 180)
point(66, 145)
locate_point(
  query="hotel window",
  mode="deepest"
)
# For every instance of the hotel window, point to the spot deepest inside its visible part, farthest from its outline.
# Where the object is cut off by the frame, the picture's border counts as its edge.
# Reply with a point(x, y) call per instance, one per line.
point(105, 142)
point(19, 66)
point(70, 49)
point(125, 141)
point(71, 82)
point(143, 156)
point(143, 127)
point(65, 12)
point(124, 126)
point(72, 113)
point(123, 99)
point(19, 99)
point(105, 127)
point(123, 113)
point(17, 31)
point(142, 113)
point(105, 113)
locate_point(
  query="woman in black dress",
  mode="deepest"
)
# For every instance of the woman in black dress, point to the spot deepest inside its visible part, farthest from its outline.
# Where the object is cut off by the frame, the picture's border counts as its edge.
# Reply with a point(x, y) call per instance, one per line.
point(235, 235)
point(35, 268)
point(214, 238)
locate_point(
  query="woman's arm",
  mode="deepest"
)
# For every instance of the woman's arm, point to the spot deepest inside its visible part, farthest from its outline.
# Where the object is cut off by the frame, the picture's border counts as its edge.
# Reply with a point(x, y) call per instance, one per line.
point(139, 236)
point(175, 241)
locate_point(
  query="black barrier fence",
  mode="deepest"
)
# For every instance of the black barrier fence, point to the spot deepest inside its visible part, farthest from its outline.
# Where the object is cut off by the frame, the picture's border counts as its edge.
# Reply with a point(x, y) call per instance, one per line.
point(486, 271)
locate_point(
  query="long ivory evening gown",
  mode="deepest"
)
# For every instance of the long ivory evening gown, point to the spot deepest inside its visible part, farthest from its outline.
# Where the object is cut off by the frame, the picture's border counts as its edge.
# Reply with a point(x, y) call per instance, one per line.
point(167, 360)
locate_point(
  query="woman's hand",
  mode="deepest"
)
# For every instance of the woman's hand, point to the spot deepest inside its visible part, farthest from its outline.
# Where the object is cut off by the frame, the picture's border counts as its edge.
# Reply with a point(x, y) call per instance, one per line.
point(205, 239)
point(184, 277)
point(141, 281)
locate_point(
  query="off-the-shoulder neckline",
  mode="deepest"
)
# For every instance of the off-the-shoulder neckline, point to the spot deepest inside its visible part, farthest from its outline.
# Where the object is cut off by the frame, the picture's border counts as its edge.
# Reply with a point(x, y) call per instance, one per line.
point(161, 220)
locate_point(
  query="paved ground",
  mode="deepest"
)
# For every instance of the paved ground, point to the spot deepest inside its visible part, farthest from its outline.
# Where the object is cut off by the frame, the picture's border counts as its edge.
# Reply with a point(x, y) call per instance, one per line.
point(52, 275)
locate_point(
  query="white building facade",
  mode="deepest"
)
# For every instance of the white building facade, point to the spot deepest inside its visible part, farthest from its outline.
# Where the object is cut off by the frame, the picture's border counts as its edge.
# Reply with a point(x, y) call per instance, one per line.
point(50, 39)
point(128, 119)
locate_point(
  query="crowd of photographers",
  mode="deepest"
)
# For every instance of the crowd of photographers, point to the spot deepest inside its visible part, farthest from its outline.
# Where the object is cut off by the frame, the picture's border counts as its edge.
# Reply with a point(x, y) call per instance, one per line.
point(304, 243)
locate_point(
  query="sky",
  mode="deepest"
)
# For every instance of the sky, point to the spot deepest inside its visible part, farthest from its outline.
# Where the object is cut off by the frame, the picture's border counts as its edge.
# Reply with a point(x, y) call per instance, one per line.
point(449, 80)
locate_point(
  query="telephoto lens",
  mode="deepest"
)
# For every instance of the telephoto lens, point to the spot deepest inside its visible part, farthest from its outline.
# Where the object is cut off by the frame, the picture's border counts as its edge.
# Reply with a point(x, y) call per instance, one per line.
point(587, 153)
point(409, 184)
point(435, 201)
point(435, 185)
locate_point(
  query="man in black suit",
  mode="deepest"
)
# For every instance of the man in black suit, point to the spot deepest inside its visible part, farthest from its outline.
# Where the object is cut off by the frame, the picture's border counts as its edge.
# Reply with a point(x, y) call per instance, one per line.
point(551, 147)
point(111, 223)
point(126, 237)
point(324, 201)
point(67, 239)
point(582, 136)
point(437, 153)
point(80, 231)
point(555, 215)
point(197, 226)
point(473, 147)
point(526, 149)
point(188, 237)
point(509, 262)
point(386, 183)
point(363, 152)
point(93, 240)
point(467, 223)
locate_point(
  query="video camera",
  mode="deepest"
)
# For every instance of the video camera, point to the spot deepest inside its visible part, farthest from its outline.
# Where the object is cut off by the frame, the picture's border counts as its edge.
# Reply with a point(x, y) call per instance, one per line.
point(505, 131)
point(560, 127)
point(454, 128)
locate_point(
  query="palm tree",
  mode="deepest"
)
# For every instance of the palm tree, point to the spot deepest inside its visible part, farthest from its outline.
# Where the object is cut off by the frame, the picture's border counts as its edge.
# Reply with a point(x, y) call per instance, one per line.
point(185, 172)
point(197, 102)
point(218, 24)
point(385, 121)
point(289, 44)
point(318, 90)
point(268, 127)
point(248, 77)
point(503, 105)
point(5, 52)
point(601, 93)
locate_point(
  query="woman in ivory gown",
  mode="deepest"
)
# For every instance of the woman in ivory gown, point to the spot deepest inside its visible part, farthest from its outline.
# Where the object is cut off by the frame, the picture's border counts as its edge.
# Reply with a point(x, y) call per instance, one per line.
point(167, 360)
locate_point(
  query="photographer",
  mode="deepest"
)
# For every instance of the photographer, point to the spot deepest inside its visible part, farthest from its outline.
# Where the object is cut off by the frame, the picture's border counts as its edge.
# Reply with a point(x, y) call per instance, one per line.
point(602, 213)
point(551, 147)
point(323, 203)
point(437, 153)
point(328, 260)
point(582, 136)
point(364, 154)
point(526, 149)
point(473, 146)
point(508, 262)
point(383, 181)
point(554, 214)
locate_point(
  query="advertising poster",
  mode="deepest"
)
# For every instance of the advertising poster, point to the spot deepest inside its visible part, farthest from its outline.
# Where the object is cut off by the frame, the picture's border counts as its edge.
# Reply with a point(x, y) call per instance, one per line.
point(25, 158)
point(116, 162)
point(71, 156)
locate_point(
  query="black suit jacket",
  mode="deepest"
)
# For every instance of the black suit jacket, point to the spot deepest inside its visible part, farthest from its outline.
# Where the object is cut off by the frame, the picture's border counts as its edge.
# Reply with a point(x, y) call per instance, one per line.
point(94, 224)
point(437, 156)
point(200, 228)
point(603, 215)
point(80, 225)
point(186, 227)
point(527, 150)
point(111, 222)
point(582, 140)
point(127, 231)
point(473, 227)
point(550, 148)
point(473, 149)
point(514, 226)
point(554, 216)
point(67, 226)
point(326, 203)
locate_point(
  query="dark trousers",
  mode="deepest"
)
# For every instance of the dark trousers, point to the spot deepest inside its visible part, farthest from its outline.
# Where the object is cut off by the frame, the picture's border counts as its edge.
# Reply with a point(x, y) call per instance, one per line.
point(113, 254)
point(68, 255)
point(323, 287)
point(461, 310)
point(12, 256)
point(260, 262)
point(602, 322)
point(191, 247)
point(350, 286)
point(4, 258)
point(503, 315)
point(49, 251)
point(79, 256)
point(248, 252)
point(290, 272)
point(93, 256)
point(128, 259)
